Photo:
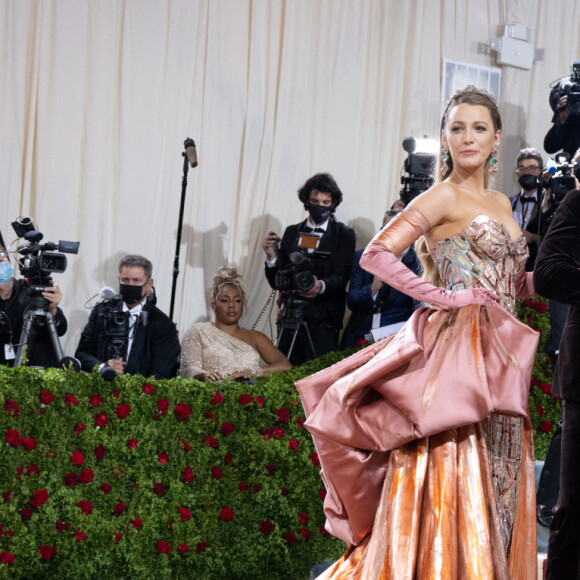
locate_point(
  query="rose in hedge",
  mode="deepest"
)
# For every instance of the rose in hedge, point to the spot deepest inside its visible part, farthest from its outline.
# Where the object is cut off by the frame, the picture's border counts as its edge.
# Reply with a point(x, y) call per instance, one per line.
point(260, 401)
point(101, 420)
point(217, 399)
point(132, 443)
point(188, 475)
point(186, 446)
point(540, 307)
point(19, 472)
point(40, 497)
point(46, 397)
point(86, 507)
point(182, 411)
point(246, 399)
point(243, 487)
point(26, 514)
point(185, 514)
point(201, 547)
point(28, 443)
point(270, 469)
point(71, 400)
point(227, 514)
point(267, 527)
point(79, 537)
point(314, 459)
point(209, 415)
point(106, 489)
point(183, 549)
point(227, 428)
point(7, 558)
point(79, 428)
point(163, 547)
point(324, 531)
point(322, 494)
point(283, 415)
point(162, 405)
point(305, 533)
point(71, 479)
point(289, 538)
point(148, 389)
point(159, 489)
point(163, 458)
point(300, 422)
point(8, 533)
point(303, 518)
point(546, 426)
point(293, 444)
point(122, 411)
point(229, 459)
point(117, 537)
point(100, 452)
point(278, 432)
point(11, 407)
point(119, 508)
point(96, 400)
point(545, 387)
point(46, 552)
point(255, 487)
point(284, 491)
point(13, 438)
point(32, 470)
point(211, 441)
point(216, 473)
point(77, 458)
point(539, 410)
point(136, 523)
point(61, 527)
point(116, 394)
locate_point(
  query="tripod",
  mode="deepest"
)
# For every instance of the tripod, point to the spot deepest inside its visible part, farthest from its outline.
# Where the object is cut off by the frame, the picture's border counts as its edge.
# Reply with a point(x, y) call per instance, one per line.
point(292, 318)
point(37, 314)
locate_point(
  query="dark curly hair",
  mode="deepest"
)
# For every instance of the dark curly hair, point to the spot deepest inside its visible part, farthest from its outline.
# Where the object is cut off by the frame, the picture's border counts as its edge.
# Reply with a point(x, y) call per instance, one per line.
point(323, 182)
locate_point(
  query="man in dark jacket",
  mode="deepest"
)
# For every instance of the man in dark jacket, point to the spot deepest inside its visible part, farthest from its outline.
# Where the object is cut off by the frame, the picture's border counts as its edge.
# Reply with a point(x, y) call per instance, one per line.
point(557, 276)
point(331, 252)
point(130, 335)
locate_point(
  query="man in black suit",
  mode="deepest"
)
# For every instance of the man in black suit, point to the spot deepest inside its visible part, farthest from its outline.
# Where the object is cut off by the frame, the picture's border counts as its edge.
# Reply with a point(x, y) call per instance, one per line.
point(321, 308)
point(557, 276)
point(140, 340)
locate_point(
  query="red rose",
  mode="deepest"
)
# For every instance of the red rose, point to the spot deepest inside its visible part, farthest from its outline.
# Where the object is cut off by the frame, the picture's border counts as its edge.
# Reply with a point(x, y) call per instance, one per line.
point(289, 538)
point(85, 506)
point(101, 420)
point(324, 531)
point(188, 475)
point(6, 558)
point(539, 410)
point(270, 469)
point(243, 487)
point(12, 409)
point(546, 426)
point(159, 489)
point(61, 527)
point(100, 452)
point(186, 446)
point(314, 459)
point(540, 307)
point(305, 533)
point(303, 518)
point(28, 443)
point(227, 514)
point(122, 411)
point(211, 441)
point(529, 303)
point(284, 491)
point(182, 549)
point(361, 342)
point(217, 399)
point(79, 428)
point(86, 476)
point(209, 415)
point(278, 432)
point(322, 494)
point(185, 514)
point(79, 536)
point(227, 428)
point(260, 401)
point(163, 547)
point(116, 394)
point(255, 487)
point(293, 444)
point(545, 387)
point(8, 533)
point(118, 537)
point(26, 514)
point(137, 523)
point(229, 459)
point(32, 469)
point(71, 479)
point(267, 527)
point(148, 389)
point(46, 552)
point(267, 433)
point(163, 458)
point(77, 458)
point(96, 400)
point(201, 547)
point(132, 443)
point(283, 415)
point(106, 489)
point(246, 399)
point(40, 497)
point(162, 405)
point(46, 398)
point(119, 508)
point(13, 438)
point(300, 422)
point(19, 472)
point(216, 473)
point(182, 411)
point(71, 400)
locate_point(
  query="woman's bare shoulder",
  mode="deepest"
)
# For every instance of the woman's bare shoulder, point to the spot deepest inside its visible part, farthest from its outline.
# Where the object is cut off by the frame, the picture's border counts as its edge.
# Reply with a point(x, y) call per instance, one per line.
point(502, 199)
point(436, 202)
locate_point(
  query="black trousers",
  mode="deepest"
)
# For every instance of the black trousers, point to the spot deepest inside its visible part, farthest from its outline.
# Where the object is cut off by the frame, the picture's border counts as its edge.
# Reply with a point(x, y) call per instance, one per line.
point(564, 543)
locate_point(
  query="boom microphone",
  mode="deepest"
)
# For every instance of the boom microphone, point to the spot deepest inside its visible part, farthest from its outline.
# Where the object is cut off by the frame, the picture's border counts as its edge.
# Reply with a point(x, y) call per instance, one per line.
point(107, 293)
point(190, 151)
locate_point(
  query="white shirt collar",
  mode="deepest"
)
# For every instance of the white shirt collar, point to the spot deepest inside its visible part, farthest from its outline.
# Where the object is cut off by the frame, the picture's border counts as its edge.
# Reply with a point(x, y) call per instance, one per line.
point(323, 225)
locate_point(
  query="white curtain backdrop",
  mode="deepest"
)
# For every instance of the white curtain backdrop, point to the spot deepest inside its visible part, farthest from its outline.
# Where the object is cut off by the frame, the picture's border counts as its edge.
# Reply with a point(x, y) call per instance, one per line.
point(97, 97)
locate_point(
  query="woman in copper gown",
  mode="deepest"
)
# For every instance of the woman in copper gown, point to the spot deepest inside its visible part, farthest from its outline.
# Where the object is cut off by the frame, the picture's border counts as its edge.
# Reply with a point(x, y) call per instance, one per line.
point(424, 438)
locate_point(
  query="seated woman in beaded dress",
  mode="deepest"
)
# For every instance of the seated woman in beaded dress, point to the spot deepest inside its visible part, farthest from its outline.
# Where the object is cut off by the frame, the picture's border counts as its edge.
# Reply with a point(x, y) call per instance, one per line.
point(424, 438)
point(211, 351)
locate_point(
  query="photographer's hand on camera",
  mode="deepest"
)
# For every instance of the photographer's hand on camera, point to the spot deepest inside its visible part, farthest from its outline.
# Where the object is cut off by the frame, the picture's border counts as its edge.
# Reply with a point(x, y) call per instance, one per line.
point(269, 245)
point(314, 291)
point(53, 296)
point(117, 364)
point(562, 109)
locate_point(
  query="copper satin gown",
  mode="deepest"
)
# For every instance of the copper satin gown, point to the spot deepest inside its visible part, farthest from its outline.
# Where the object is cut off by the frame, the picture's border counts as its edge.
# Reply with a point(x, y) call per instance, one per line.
point(458, 504)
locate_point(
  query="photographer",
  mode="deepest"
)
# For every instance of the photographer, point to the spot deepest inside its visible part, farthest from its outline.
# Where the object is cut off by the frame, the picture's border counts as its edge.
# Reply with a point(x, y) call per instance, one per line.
point(14, 301)
point(130, 335)
point(322, 306)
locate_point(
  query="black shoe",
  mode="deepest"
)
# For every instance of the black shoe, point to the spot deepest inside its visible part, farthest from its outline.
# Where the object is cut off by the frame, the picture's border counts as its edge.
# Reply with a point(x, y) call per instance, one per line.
point(544, 515)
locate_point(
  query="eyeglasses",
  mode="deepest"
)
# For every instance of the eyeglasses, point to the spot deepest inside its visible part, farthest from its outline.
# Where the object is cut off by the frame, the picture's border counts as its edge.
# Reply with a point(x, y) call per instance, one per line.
point(528, 169)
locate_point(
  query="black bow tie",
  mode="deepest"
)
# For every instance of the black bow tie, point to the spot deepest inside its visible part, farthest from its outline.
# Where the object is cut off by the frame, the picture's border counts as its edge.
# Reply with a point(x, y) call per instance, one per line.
point(526, 199)
point(308, 229)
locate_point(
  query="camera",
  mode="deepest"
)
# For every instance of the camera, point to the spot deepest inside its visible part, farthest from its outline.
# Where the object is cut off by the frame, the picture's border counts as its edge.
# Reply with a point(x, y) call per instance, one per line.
point(297, 277)
point(114, 323)
point(417, 173)
point(569, 86)
point(563, 180)
point(38, 261)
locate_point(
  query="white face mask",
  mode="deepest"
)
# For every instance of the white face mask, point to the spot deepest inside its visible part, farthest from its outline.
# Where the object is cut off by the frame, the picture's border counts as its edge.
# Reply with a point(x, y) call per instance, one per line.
point(6, 271)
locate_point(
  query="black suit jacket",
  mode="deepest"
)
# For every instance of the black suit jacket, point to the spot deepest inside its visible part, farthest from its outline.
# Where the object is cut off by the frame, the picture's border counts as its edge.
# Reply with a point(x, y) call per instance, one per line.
point(557, 276)
point(155, 348)
point(339, 240)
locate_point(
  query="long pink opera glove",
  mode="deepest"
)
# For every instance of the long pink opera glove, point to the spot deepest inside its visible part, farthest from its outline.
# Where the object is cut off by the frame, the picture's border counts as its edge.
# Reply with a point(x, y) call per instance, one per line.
point(380, 259)
point(525, 286)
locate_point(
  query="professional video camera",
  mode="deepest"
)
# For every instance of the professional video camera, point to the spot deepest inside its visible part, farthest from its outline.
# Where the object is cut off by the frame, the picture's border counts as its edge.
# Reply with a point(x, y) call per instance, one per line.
point(563, 180)
point(569, 86)
point(417, 173)
point(296, 277)
point(38, 261)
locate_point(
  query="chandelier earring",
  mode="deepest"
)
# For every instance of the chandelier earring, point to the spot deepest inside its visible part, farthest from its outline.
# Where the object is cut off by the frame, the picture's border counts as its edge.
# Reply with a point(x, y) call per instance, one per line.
point(493, 162)
point(444, 158)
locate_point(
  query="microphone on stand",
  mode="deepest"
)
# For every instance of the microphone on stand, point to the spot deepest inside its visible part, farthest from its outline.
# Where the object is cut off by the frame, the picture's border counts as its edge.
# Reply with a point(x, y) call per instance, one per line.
point(190, 151)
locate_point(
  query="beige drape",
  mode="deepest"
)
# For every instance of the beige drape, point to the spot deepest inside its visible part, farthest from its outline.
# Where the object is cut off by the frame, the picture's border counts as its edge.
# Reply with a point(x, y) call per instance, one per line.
point(97, 97)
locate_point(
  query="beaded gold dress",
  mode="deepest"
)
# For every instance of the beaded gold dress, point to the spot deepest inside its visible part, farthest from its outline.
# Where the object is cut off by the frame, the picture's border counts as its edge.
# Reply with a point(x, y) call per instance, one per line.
point(460, 502)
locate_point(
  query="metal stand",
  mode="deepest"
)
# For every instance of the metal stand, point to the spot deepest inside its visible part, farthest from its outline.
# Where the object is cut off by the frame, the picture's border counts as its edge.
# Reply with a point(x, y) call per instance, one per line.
point(292, 318)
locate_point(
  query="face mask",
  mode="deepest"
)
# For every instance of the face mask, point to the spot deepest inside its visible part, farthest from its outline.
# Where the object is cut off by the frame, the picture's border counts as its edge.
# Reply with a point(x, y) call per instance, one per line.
point(6, 271)
point(131, 294)
point(528, 182)
point(319, 213)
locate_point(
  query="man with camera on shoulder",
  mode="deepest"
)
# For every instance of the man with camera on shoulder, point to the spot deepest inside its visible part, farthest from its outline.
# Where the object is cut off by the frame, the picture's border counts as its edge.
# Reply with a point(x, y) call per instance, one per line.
point(310, 267)
point(127, 333)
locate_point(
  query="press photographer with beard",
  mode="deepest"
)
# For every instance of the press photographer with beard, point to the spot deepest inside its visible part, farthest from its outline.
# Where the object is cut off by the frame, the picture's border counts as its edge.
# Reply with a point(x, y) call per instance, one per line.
point(324, 304)
point(152, 347)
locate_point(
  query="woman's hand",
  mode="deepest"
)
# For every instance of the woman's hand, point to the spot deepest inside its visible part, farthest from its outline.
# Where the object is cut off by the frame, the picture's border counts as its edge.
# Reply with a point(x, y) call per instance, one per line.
point(470, 296)
point(212, 376)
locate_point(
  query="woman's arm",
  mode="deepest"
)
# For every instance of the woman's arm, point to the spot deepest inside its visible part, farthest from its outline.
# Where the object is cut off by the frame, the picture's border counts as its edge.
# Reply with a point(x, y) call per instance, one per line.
point(274, 359)
point(192, 356)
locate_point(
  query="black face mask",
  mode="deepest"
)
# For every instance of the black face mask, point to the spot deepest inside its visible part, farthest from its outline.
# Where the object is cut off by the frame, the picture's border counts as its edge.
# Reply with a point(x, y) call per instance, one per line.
point(319, 213)
point(528, 182)
point(131, 294)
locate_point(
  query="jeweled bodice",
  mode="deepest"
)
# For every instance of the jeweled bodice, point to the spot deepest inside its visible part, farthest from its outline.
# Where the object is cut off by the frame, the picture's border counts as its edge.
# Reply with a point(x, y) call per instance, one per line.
point(483, 255)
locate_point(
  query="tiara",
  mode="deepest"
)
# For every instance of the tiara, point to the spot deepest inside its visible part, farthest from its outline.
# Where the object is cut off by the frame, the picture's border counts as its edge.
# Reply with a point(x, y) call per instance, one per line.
point(471, 90)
